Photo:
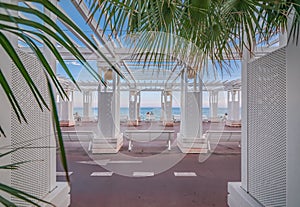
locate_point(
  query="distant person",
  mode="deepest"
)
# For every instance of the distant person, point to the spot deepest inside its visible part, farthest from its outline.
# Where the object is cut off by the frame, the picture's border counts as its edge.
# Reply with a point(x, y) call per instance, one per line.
point(77, 117)
point(225, 117)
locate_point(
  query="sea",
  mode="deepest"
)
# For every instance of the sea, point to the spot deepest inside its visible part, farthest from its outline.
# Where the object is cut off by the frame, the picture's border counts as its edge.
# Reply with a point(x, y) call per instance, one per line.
point(155, 110)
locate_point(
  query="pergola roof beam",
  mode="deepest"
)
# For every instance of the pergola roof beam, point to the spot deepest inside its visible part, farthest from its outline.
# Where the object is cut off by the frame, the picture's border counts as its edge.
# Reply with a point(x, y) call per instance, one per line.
point(172, 72)
point(129, 71)
point(84, 11)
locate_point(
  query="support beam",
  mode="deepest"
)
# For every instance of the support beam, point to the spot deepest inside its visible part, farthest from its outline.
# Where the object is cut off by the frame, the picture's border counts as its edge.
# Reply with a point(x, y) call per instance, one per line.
point(167, 108)
point(108, 139)
point(234, 99)
point(213, 106)
point(88, 114)
point(84, 11)
point(134, 104)
point(129, 72)
point(189, 139)
point(66, 118)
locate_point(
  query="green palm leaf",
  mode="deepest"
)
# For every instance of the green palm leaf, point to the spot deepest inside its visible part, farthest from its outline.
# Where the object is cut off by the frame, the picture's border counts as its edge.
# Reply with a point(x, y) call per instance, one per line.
point(21, 195)
point(57, 127)
point(218, 29)
point(13, 25)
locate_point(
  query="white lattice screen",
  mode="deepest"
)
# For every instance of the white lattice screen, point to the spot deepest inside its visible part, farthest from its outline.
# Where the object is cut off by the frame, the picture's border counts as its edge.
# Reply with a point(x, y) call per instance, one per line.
point(32, 177)
point(105, 116)
point(267, 131)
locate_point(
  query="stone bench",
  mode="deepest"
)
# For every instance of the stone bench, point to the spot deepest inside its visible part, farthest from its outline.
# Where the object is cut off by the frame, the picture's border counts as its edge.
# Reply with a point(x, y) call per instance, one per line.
point(82, 136)
point(216, 136)
point(148, 135)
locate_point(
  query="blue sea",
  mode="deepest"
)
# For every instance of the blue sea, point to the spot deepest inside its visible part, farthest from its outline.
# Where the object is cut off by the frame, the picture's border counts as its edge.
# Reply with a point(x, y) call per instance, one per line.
point(155, 110)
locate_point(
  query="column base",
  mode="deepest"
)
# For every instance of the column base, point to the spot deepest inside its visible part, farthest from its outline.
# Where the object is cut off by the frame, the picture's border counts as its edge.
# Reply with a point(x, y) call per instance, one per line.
point(60, 196)
point(237, 196)
point(215, 119)
point(168, 123)
point(132, 123)
point(107, 145)
point(66, 123)
point(88, 119)
point(233, 123)
point(192, 145)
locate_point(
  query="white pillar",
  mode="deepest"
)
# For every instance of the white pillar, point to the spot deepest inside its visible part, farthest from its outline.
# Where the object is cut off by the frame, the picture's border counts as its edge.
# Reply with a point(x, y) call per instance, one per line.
point(189, 139)
point(235, 105)
point(134, 107)
point(213, 105)
point(270, 132)
point(162, 105)
point(6, 111)
point(139, 105)
point(234, 100)
point(167, 108)
point(88, 114)
point(67, 117)
point(37, 133)
point(108, 139)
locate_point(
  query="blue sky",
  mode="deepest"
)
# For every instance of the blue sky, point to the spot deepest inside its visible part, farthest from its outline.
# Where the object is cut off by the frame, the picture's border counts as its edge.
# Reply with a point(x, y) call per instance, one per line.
point(148, 98)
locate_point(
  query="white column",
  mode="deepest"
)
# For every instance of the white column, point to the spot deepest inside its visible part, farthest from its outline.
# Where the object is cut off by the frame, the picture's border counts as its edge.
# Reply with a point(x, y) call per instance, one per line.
point(58, 105)
point(168, 119)
point(67, 117)
point(278, 133)
point(229, 104)
point(108, 139)
point(213, 105)
point(235, 105)
point(138, 105)
point(162, 105)
point(234, 100)
point(57, 189)
point(87, 106)
point(189, 139)
point(293, 122)
point(38, 132)
point(133, 107)
point(5, 111)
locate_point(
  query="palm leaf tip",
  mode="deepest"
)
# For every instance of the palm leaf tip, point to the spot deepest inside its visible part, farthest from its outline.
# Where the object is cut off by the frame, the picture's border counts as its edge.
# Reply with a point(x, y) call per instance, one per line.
point(2, 132)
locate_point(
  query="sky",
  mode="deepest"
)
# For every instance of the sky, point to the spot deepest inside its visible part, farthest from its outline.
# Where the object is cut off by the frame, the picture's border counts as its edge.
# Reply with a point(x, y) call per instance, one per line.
point(151, 99)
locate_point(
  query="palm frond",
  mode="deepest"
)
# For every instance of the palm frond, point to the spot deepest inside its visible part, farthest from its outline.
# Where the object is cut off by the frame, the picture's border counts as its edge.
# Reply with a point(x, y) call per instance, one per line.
point(218, 29)
point(57, 127)
point(11, 24)
point(21, 195)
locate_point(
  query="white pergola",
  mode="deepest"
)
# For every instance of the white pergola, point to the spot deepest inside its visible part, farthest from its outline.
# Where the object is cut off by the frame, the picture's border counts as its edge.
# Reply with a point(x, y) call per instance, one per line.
point(167, 77)
point(270, 132)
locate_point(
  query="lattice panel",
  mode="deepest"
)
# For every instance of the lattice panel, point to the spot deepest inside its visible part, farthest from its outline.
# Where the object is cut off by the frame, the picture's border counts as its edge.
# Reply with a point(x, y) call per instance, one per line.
point(192, 116)
point(132, 110)
point(267, 132)
point(106, 119)
point(33, 176)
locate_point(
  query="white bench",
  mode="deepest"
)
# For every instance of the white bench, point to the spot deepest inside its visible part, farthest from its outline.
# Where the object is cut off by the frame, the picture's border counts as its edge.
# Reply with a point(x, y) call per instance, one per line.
point(87, 136)
point(222, 136)
point(148, 135)
point(123, 118)
point(176, 118)
point(149, 117)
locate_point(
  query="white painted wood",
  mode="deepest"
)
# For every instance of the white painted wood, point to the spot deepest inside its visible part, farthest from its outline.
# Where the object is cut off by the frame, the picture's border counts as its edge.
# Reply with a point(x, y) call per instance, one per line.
point(185, 174)
point(102, 174)
point(125, 162)
point(143, 174)
point(63, 173)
